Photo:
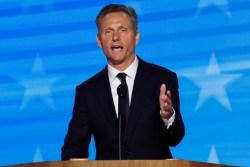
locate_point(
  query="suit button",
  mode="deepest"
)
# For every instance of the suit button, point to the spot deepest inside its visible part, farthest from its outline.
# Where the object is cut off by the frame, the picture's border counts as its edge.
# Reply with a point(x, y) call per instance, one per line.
point(128, 152)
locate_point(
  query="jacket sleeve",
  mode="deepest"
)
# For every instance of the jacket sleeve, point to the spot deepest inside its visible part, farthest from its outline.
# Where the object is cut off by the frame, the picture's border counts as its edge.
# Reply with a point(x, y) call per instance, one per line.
point(76, 142)
point(176, 131)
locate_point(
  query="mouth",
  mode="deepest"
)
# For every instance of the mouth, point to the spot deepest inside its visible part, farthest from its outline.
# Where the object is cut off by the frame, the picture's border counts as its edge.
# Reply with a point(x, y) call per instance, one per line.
point(117, 48)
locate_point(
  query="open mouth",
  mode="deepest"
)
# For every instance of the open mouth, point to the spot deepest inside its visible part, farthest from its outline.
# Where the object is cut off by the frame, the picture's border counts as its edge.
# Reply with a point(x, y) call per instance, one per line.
point(117, 48)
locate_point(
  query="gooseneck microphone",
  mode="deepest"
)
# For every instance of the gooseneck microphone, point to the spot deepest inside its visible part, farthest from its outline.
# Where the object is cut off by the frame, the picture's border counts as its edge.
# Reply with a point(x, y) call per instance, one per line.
point(122, 92)
point(123, 109)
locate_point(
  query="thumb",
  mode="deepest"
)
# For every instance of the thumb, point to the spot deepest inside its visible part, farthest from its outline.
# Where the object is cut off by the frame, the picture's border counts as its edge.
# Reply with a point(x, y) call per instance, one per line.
point(163, 89)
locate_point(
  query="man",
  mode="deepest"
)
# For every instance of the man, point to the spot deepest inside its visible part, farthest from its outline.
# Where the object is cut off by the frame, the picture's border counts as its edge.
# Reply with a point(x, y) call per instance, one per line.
point(154, 120)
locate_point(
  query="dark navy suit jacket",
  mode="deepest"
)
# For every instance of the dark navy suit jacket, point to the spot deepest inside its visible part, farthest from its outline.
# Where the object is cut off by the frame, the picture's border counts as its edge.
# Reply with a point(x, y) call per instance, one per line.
point(147, 136)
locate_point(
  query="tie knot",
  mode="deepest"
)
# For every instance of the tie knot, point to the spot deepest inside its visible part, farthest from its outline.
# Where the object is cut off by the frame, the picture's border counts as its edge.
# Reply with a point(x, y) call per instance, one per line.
point(122, 77)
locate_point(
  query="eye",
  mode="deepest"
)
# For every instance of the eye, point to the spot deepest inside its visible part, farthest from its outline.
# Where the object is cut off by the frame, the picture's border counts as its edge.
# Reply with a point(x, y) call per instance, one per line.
point(107, 31)
point(123, 30)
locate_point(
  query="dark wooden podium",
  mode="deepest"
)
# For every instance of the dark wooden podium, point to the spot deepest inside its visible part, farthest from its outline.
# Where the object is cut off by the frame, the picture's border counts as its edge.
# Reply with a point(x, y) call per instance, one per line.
point(121, 163)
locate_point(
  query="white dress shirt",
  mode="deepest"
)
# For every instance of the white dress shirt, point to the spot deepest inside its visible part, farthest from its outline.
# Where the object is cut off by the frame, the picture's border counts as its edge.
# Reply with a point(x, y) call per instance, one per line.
point(115, 82)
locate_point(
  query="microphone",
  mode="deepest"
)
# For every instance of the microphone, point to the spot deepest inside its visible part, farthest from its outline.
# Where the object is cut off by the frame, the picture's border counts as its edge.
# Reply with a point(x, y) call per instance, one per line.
point(122, 92)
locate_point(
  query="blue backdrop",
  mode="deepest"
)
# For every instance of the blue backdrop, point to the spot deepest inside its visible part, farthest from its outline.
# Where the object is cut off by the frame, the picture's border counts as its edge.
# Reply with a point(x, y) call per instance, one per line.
point(48, 47)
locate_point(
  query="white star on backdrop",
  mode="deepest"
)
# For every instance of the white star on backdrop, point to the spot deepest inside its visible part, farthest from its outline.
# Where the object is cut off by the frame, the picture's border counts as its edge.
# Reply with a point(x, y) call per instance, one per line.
point(38, 155)
point(213, 158)
point(213, 84)
point(221, 4)
point(38, 85)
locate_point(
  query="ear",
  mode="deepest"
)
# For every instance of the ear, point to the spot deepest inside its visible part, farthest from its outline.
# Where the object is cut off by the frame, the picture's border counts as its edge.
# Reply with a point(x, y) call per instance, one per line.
point(137, 37)
point(98, 41)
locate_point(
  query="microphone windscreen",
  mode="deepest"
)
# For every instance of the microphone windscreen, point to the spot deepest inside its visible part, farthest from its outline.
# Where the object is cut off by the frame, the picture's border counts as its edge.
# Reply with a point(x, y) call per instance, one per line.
point(122, 90)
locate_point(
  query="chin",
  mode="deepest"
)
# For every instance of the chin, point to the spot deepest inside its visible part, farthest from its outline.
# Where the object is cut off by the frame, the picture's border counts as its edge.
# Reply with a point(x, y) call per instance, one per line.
point(116, 61)
point(117, 57)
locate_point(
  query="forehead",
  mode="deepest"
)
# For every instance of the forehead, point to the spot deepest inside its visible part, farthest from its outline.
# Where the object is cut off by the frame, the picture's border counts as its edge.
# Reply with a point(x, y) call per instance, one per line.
point(116, 17)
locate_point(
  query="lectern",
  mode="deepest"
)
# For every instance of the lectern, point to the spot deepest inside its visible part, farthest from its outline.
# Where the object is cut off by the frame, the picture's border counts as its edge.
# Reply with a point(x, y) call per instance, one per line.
point(121, 163)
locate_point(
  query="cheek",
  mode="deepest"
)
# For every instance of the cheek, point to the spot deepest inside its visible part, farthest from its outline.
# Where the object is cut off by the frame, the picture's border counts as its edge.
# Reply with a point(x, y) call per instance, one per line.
point(131, 44)
point(106, 48)
point(105, 44)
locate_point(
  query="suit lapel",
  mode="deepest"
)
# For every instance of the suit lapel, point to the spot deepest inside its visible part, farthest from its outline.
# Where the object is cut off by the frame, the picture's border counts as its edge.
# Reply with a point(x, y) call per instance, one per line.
point(105, 100)
point(138, 96)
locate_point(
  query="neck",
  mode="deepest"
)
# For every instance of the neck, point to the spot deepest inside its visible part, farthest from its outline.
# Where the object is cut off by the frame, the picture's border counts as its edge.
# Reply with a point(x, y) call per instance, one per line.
point(124, 65)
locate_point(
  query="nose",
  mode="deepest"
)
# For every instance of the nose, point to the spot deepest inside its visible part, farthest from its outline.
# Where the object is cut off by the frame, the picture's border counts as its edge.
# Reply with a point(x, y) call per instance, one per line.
point(116, 36)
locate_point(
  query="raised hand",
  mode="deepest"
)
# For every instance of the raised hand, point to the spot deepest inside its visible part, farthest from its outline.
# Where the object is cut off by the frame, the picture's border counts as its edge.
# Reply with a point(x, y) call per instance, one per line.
point(165, 101)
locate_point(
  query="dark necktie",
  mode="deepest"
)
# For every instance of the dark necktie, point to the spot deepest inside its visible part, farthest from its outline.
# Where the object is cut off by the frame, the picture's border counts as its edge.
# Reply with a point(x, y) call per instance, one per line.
point(123, 100)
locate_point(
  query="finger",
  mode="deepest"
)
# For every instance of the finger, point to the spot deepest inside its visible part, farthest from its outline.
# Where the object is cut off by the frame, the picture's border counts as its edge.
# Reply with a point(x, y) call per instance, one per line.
point(165, 114)
point(162, 95)
point(167, 107)
point(163, 89)
point(169, 93)
point(168, 99)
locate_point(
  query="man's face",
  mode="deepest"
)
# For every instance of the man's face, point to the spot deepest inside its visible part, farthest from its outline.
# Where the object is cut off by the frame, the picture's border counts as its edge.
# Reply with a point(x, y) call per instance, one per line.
point(117, 39)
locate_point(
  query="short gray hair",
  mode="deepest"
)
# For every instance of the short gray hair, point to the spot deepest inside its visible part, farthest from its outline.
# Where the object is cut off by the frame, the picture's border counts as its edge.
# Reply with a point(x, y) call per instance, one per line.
point(112, 8)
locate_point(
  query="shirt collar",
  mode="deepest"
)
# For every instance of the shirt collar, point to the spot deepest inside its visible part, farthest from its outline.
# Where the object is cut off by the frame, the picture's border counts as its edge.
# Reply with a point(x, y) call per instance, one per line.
point(130, 71)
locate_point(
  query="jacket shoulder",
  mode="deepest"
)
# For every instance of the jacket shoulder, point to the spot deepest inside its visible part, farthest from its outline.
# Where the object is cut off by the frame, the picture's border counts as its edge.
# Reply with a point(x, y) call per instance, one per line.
point(94, 80)
point(154, 69)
